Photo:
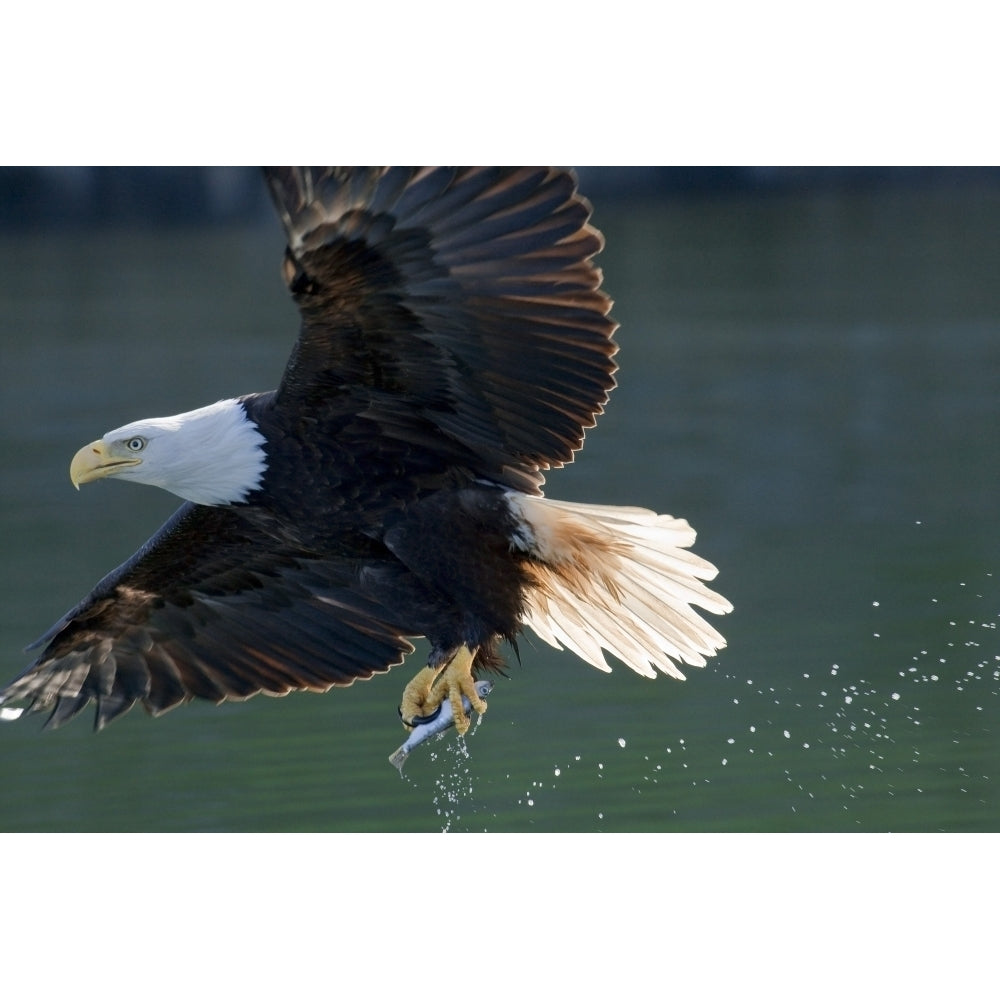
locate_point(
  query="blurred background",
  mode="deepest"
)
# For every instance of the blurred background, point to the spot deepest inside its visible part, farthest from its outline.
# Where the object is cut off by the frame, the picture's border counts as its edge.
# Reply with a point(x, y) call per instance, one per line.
point(810, 360)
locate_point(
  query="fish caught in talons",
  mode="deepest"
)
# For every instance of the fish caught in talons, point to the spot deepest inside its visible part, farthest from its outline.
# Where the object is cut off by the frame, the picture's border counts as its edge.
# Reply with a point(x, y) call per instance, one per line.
point(433, 685)
point(435, 724)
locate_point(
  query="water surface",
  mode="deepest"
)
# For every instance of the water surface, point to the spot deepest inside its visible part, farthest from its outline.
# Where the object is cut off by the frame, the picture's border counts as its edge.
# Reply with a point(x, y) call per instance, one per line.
point(811, 380)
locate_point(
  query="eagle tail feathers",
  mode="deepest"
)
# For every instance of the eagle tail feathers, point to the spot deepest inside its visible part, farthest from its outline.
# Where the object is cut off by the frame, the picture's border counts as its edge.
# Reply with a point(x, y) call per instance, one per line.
point(616, 579)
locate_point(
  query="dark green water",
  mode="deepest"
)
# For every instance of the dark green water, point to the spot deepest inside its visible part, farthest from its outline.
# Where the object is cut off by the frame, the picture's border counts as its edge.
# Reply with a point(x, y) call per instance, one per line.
point(812, 381)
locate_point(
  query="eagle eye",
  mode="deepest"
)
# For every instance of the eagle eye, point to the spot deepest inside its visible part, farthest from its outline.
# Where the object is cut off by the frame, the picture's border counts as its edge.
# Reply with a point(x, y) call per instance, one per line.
point(135, 444)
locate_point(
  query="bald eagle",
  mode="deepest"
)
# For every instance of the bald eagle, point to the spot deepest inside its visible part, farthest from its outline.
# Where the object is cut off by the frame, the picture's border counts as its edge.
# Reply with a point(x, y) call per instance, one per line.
point(454, 346)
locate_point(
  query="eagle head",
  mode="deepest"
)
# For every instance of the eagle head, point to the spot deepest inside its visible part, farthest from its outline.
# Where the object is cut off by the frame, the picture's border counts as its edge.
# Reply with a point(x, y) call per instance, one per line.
point(214, 455)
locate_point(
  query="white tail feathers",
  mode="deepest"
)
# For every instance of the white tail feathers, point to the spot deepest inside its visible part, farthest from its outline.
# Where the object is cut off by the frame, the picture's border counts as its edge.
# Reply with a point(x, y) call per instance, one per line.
point(619, 579)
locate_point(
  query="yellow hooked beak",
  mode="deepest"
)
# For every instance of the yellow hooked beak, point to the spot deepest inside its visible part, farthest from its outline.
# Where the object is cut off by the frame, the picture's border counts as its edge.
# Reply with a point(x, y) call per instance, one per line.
point(95, 461)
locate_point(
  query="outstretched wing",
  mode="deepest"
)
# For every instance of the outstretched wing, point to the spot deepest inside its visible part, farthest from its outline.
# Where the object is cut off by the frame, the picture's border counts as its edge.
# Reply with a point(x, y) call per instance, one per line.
point(463, 300)
point(209, 607)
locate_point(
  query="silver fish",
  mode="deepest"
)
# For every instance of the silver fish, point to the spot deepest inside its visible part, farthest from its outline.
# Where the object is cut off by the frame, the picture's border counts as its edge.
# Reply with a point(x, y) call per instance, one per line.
point(434, 725)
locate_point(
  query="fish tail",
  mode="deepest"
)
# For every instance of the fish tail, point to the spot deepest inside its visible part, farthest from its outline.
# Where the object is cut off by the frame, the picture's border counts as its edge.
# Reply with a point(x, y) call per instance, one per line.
point(398, 758)
point(620, 579)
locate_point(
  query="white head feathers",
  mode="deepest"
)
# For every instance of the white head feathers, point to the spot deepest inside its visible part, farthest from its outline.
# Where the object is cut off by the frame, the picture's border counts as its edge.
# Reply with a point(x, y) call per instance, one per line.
point(213, 455)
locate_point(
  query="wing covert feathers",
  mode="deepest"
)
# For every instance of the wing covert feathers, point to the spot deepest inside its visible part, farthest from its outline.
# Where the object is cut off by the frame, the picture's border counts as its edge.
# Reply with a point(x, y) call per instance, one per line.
point(620, 579)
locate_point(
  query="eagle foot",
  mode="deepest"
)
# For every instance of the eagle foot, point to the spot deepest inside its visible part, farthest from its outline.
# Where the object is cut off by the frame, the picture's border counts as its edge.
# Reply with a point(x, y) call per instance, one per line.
point(429, 688)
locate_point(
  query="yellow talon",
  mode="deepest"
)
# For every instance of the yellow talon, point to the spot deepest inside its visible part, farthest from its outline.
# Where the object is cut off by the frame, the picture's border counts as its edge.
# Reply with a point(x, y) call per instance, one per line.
point(419, 697)
point(432, 685)
point(457, 679)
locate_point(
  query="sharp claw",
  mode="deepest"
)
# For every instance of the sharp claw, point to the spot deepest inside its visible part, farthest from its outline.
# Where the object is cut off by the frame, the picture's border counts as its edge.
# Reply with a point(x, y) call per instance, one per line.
point(422, 720)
